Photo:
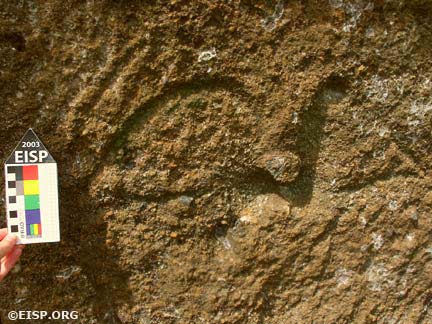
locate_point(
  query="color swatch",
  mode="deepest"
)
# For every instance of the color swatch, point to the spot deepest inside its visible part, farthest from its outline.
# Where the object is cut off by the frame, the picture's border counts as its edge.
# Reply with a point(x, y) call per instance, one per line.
point(26, 184)
point(31, 188)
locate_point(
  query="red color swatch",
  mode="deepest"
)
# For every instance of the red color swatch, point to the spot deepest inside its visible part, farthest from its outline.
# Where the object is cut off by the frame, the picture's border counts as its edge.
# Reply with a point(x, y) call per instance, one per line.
point(30, 172)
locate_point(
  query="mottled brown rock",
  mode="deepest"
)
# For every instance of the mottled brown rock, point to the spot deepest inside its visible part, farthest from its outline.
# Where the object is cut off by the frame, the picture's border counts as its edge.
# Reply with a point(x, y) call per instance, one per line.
point(226, 161)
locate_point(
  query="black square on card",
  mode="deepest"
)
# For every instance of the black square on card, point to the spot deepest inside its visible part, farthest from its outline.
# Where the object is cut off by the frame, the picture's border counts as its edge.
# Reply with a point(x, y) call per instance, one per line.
point(11, 169)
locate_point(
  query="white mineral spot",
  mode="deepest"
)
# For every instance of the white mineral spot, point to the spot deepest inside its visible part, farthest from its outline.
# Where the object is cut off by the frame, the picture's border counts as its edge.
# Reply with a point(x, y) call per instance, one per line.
point(418, 110)
point(382, 131)
point(207, 55)
point(84, 53)
point(225, 242)
point(68, 272)
point(379, 89)
point(353, 9)
point(336, 3)
point(409, 237)
point(270, 22)
point(294, 116)
point(411, 269)
point(378, 154)
point(393, 205)
point(378, 276)
point(426, 85)
point(402, 286)
point(186, 200)
point(377, 241)
point(414, 215)
point(390, 320)
point(343, 276)
point(276, 166)
point(245, 219)
point(413, 123)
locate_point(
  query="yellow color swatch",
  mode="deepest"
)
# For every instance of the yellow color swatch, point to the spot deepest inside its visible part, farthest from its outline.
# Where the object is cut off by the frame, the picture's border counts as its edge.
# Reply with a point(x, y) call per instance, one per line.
point(31, 187)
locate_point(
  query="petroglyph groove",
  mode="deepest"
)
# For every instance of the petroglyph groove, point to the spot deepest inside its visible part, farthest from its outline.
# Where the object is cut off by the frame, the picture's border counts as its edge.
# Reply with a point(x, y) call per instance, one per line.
point(119, 87)
point(310, 134)
point(90, 95)
point(150, 106)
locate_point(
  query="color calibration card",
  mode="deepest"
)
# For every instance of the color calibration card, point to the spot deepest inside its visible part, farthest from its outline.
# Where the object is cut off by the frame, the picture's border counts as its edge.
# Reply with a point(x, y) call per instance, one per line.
point(32, 192)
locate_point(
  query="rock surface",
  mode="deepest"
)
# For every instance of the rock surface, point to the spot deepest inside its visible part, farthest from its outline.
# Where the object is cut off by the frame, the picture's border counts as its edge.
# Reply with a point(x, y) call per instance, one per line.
point(226, 161)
